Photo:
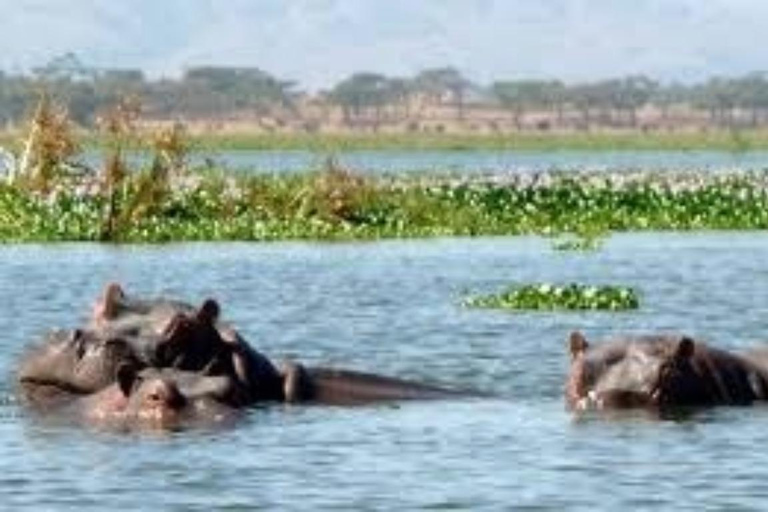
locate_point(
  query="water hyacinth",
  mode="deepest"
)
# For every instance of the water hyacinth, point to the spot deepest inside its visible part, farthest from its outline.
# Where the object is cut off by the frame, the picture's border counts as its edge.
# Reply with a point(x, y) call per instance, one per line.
point(554, 297)
point(587, 242)
point(337, 204)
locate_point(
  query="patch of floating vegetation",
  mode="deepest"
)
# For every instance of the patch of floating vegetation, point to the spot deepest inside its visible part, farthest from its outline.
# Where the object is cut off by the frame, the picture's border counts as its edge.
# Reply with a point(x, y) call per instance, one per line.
point(578, 243)
point(335, 204)
point(550, 297)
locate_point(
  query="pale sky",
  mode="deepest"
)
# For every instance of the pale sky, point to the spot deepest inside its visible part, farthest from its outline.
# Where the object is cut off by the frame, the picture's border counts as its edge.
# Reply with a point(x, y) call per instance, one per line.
point(318, 42)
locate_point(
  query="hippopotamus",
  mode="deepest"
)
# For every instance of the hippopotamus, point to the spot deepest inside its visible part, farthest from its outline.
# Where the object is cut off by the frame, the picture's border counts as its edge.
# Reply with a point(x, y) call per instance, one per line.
point(659, 372)
point(148, 399)
point(74, 361)
point(195, 339)
point(168, 333)
point(158, 333)
point(124, 331)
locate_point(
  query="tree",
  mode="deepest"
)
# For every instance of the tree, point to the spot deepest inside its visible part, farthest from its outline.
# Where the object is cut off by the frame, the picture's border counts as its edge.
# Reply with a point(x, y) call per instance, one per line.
point(210, 89)
point(360, 93)
point(519, 96)
point(751, 93)
point(630, 93)
point(719, 96)
point(442, 82)
point(64, 68)
point(665, 96)
point(585, 98)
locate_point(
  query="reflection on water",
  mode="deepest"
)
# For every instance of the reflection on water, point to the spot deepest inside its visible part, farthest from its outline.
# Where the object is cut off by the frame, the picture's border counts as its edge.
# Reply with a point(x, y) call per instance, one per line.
point(393, 307)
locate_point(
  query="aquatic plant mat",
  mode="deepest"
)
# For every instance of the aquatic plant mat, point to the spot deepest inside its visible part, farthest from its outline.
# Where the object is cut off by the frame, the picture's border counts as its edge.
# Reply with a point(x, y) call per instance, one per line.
point(161, 205)
point(553, 297)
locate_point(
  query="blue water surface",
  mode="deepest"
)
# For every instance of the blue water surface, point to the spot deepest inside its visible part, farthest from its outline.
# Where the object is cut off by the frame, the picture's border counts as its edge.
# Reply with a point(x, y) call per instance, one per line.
point(394, 308)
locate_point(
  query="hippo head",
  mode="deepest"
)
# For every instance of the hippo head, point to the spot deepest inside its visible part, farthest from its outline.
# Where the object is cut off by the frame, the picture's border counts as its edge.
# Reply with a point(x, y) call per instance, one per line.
point(151, 398)
point(74, 360)
point(651, 371)
point(162, 332)
point(158, 399)
point(116, 312)
point(193, 342)
point(143, 333)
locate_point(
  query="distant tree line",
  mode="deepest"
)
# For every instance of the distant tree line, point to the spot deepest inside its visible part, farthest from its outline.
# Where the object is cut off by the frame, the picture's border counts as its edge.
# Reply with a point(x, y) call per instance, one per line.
point(366, 98)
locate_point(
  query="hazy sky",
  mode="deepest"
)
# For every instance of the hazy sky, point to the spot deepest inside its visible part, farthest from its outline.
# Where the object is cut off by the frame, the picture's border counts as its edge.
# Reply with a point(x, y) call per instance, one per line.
point(318, 42)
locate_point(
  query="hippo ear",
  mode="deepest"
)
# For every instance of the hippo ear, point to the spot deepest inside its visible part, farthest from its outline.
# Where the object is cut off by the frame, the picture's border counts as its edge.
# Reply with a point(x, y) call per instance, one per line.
point(577, 344)
point(126, 378)
point(685, 349)
point(111, 299)
point(209, 311)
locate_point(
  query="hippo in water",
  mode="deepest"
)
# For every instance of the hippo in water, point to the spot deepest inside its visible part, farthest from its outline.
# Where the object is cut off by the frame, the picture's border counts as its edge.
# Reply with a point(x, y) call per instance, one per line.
point(168, 334)
point(660, 371)
point(74, 361)
point(148, 399)
point(158, 333)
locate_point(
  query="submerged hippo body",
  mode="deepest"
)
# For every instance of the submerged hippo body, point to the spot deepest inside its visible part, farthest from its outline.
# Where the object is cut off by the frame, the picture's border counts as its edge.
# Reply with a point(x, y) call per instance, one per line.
point(333, 386)
point(660, 372)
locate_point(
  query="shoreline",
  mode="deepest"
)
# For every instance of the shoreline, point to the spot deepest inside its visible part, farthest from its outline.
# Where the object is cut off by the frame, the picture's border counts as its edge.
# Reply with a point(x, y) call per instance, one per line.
point(720, 140)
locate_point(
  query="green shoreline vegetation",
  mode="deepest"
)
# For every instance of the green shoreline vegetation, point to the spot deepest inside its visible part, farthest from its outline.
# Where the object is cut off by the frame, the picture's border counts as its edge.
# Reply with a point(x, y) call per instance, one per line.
point(47, 198)
point(338, 205)
point(714, 140)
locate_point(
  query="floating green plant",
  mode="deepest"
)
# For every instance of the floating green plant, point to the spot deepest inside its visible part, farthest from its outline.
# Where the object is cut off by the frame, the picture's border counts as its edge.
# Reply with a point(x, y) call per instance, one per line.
point(552, 297)
point(582, 243)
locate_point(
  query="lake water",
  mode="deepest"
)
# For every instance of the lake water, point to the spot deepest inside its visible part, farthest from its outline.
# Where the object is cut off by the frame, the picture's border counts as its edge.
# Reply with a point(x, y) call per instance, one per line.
point(489, 161)
point(474, 161)
point(393, 307)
